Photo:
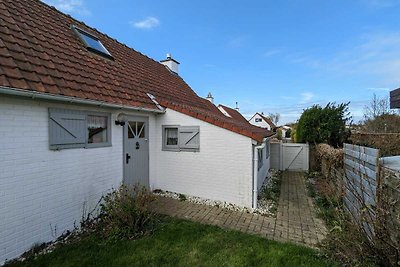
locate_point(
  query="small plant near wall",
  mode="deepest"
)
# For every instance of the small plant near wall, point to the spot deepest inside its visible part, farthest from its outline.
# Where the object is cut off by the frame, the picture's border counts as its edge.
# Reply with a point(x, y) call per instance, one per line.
point(270, 192)
point(182, 197)
point(124, 214)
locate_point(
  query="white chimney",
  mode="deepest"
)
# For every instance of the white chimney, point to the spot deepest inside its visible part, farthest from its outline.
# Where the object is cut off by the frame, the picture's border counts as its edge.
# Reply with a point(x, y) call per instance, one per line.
point(210, 97)
point(171, 63)
point(237, 106)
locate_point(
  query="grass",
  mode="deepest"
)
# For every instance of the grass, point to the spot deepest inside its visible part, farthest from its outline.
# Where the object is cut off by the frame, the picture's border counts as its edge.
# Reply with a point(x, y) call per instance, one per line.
point(182, 243)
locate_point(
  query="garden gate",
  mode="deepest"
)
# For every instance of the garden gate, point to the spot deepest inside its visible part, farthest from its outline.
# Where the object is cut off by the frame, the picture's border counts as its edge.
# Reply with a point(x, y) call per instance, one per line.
point(290, 156)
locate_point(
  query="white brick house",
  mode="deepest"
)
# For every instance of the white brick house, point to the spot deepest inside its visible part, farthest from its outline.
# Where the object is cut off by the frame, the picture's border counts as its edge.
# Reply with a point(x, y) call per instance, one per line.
point(72, 129)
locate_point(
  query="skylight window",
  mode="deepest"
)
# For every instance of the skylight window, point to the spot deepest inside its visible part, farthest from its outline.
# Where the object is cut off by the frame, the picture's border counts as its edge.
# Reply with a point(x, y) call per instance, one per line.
point(92, 43)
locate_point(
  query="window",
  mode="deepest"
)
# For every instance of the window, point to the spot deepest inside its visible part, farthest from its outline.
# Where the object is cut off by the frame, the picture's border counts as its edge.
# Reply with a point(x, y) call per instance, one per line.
point(78, 129)
point(171, 135)
point(92, 43)
point(258, 120)
point(181, 138)
point(136, 129)
point(267, 150)
point(97, 129)
point(260, 158)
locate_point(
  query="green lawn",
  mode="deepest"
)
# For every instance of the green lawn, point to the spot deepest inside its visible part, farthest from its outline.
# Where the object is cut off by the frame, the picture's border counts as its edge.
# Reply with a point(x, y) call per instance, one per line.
point(182, 243)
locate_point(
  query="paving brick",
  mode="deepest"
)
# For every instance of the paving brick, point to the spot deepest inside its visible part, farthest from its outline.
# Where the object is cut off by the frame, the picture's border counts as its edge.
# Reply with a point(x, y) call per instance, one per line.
point(295, 222)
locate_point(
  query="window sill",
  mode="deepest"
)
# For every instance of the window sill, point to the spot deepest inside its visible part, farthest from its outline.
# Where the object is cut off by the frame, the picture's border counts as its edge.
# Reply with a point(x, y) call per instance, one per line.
point(84, 146)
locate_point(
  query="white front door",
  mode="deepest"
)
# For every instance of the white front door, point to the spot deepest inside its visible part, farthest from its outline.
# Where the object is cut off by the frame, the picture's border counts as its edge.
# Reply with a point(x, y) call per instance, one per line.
point(136, 151)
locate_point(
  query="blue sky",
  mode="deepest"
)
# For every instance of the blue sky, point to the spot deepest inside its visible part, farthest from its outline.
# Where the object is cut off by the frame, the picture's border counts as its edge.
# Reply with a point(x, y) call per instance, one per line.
point(270, 56)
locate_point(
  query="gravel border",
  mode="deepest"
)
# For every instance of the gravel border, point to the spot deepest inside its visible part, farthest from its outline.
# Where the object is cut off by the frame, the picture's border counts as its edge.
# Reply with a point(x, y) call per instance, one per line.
point(264, 206)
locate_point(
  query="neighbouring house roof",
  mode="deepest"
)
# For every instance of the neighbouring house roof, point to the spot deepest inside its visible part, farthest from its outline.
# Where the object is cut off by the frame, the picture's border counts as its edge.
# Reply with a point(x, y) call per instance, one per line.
point(268, 120)
point(235, 114)
point(238, 117)
point(395, 98)
point(40, 52)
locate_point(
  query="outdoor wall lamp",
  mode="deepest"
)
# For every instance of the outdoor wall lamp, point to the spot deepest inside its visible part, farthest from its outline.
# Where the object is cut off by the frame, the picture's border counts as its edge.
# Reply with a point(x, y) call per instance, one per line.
point(121, 119)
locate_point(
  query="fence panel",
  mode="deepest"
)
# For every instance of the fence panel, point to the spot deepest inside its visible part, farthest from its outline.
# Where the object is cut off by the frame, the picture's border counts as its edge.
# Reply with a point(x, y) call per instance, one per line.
point(275, 158)
point(361, 166)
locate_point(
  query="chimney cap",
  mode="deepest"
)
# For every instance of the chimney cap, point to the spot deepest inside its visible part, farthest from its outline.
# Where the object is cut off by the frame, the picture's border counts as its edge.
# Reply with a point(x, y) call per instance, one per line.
point(210, 98)
point(169, 58)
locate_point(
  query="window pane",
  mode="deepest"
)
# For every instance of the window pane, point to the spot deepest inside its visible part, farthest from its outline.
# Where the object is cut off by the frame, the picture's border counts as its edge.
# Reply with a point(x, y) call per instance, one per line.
point(93, 42)
point(131, 129)
point(141, 129)
point(171, 136)
point(97, 128)
point(136, 129)
point(260, 158)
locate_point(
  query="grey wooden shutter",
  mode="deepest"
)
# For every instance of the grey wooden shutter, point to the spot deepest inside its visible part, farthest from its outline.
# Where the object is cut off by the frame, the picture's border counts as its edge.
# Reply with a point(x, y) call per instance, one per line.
point(189, 138)
point(66, 129)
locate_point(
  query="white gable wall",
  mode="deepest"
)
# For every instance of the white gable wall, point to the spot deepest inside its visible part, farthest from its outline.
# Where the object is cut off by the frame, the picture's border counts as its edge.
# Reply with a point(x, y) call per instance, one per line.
point(262, 124)
point(44, 192)
point(221, 170)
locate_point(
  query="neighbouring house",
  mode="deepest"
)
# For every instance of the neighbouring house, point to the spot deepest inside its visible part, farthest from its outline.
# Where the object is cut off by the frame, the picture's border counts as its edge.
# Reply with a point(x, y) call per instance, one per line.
point(81, 114)
point(395, 98)
point(260, 120)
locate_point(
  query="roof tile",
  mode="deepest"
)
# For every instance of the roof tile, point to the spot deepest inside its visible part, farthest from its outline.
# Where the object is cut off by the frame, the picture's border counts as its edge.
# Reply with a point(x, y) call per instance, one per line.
point(40, 52)
point(17, 83)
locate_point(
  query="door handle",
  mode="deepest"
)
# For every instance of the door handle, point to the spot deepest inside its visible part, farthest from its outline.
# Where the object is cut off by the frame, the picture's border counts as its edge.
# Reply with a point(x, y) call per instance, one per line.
point(127, 157)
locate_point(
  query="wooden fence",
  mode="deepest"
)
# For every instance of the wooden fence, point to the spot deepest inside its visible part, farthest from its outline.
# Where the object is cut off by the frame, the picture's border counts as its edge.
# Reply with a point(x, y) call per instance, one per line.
point(361, 185)
point(370, 191)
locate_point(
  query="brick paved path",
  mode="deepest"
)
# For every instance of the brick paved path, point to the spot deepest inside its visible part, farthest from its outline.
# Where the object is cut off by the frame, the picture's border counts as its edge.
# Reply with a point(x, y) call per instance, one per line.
point(295, 221)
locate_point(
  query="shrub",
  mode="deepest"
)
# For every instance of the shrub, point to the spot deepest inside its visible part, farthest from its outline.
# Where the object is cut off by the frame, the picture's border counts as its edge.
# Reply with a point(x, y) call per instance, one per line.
point(287, 134)
point(279, 134)
point(324, 124)
point(124, 214)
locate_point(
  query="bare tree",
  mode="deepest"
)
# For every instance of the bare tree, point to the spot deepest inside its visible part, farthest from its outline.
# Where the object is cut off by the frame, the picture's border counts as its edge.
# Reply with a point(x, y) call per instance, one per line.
point(274, 117)
point(377, 107)
point(379, 118)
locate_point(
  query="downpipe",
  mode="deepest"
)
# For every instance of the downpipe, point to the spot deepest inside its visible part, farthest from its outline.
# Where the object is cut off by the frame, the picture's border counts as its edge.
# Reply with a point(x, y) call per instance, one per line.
point(255, 172)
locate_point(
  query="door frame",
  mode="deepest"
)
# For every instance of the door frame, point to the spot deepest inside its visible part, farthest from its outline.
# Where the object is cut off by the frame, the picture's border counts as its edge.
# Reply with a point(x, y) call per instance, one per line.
point(124, 144)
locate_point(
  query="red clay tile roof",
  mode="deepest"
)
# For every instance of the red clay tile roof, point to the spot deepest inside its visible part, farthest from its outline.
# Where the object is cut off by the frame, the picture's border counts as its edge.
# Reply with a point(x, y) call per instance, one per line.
point(234, 113)
point(39, 52)
point(238, 117)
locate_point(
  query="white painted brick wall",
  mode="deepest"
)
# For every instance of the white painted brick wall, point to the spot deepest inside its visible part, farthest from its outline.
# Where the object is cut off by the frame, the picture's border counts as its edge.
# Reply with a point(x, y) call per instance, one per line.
point(263, 172)
point(40, 187)
point(222, 170)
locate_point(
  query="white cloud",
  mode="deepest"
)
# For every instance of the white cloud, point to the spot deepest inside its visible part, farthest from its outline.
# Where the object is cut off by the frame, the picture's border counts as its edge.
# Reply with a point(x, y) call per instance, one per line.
point(379, 89)
point(271, 52)
point(375, 56)
point(146, 24)
point(306, 97)
point(69, 6)
point(237, 42)
point(377, 4)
